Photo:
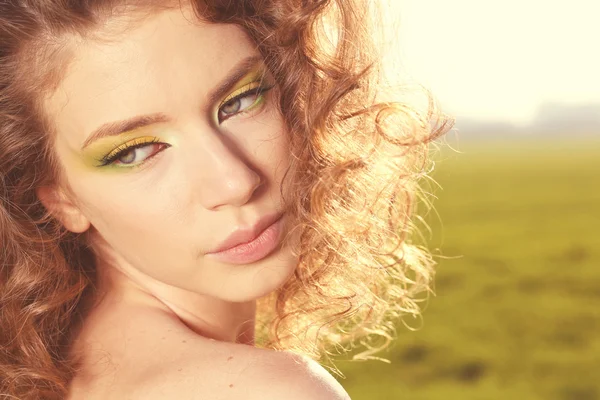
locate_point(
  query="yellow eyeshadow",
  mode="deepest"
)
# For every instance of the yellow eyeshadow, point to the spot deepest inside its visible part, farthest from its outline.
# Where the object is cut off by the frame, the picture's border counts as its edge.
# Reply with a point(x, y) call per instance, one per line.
point(252, 80)
point(131, 143)
point(245, 88)
point(107, 147)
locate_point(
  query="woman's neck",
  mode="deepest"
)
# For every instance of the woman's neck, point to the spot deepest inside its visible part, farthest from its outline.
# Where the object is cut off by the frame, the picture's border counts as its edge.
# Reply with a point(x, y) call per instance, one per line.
point(207, 316)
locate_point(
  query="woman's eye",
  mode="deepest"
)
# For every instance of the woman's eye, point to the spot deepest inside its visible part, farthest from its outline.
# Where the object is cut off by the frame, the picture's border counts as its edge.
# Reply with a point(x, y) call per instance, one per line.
point(136, 155)
point(232, 106)
point(242, 103)
point(239, 104)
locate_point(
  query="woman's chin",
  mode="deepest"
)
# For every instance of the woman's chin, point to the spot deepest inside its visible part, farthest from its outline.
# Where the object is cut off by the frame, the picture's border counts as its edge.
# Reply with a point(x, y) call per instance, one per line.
point(260, 279)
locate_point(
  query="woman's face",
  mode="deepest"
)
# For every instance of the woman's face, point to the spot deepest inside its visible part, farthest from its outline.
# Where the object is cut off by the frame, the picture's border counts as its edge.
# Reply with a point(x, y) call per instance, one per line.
point(208, 157)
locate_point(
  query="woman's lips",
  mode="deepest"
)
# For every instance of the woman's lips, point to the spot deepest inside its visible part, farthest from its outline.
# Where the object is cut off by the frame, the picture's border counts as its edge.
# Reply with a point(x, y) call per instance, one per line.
point(254, 250)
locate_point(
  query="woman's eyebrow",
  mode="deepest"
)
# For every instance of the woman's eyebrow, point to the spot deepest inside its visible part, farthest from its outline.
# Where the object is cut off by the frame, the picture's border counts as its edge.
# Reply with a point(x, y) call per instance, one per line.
point(118, 127)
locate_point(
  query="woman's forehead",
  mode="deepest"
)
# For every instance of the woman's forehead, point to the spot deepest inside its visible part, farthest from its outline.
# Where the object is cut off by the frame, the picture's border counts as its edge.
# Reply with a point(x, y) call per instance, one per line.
point(165, 64)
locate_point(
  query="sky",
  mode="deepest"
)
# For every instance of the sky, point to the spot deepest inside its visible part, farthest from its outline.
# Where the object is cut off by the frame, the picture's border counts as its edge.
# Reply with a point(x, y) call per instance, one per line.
point(499, 60)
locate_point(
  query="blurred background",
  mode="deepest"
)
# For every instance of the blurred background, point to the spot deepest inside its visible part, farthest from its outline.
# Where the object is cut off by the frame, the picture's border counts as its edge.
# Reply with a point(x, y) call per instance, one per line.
point(515, 228)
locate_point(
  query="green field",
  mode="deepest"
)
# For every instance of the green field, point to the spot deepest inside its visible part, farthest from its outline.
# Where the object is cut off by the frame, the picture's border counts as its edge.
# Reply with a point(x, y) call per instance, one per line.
point(517, 308)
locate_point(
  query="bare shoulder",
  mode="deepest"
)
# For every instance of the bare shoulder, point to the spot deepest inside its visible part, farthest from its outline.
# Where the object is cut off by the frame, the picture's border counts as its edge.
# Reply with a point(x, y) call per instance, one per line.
point(153, 356)
point(230, 371)
point(289, 376)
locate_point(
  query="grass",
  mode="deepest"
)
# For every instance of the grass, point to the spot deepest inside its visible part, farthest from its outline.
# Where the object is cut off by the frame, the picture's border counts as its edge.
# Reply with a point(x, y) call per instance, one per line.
point(517, 308)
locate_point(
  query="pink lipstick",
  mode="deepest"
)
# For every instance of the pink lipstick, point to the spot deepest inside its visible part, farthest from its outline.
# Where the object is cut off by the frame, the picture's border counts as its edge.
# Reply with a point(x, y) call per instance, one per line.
point(251, 245)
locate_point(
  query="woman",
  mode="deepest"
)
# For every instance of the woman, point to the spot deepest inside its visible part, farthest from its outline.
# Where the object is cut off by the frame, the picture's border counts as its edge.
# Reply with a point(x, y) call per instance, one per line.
point(175, 175)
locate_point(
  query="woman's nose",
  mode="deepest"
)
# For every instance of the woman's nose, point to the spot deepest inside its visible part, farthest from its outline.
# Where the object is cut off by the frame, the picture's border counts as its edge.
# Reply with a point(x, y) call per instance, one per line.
point(228, 178)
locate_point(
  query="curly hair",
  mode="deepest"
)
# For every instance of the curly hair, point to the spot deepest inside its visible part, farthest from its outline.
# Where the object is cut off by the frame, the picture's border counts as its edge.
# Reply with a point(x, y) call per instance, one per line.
point(356, 164)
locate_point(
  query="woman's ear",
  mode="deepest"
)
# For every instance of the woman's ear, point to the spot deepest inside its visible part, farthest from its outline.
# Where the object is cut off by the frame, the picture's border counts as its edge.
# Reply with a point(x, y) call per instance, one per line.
point(62, 208)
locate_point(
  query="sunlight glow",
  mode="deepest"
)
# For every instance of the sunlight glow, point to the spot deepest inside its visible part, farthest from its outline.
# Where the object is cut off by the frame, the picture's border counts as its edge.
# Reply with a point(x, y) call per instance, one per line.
point(501, 59)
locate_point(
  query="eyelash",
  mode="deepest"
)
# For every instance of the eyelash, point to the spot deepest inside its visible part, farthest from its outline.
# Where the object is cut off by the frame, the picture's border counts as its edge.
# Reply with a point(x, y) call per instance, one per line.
point(128, 147)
